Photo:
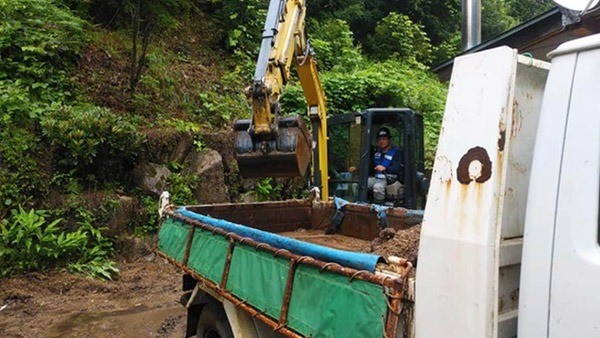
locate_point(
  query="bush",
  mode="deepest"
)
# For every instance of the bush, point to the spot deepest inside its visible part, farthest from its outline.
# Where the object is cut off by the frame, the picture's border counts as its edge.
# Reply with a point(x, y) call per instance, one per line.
point(333, 45)
point(94, 143)
point(22, 175)
point(39, 42)
point(29, 242)
point(399, 37)
point(386, 84)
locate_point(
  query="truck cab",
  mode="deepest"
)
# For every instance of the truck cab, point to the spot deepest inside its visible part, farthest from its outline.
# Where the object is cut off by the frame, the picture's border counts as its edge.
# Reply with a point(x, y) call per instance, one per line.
point(352, 143)
point(509, 245)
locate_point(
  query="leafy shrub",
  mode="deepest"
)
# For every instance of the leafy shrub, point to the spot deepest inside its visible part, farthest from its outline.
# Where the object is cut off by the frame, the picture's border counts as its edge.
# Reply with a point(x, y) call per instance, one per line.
point(333, 44)
point(243, 21)
point(398, 36)
point(268, 189)
point(94, 142)
point(39, 42)
point(22, 175)
point(29, 242)
point(388, 84)
point(180, 185)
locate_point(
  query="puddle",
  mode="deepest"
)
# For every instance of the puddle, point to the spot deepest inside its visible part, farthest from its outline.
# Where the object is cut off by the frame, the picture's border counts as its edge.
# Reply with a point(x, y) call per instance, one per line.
point(137, 321)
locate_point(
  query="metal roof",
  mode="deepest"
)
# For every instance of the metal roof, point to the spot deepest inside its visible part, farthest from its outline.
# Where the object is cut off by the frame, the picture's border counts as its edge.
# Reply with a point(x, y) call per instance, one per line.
point(537, 36)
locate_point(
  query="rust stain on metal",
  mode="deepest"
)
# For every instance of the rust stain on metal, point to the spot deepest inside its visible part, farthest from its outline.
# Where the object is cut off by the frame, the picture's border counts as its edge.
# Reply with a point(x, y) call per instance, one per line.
point(188, 245)
point(287, 295)
point(225, 275)
point(475, 165)
point(258, 314)
point(395, 307)
point(501, 140)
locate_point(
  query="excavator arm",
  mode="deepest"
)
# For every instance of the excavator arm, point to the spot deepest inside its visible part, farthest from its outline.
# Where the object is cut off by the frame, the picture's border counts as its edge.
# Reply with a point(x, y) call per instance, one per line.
point(270, 145)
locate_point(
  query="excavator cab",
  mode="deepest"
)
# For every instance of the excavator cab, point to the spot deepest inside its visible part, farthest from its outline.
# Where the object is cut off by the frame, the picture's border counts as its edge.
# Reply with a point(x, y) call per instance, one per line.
point(351, 147)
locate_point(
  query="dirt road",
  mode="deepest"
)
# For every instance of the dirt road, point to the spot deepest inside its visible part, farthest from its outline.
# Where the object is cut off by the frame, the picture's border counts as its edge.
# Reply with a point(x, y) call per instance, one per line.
point(142, 302)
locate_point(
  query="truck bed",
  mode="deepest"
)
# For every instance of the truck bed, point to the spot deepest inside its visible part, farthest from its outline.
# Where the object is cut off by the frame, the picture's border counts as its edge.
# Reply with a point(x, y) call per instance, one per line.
point(335, 241)
point(232, 251)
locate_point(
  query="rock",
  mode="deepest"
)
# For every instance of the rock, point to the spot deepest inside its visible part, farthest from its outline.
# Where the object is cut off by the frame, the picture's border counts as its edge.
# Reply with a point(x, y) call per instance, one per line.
point(208, 166)
point(151, 178)
point(166, 145)
point(387, 234)
point(247, 197)
point(123, 215)
point(223, 142)
point(132, 248)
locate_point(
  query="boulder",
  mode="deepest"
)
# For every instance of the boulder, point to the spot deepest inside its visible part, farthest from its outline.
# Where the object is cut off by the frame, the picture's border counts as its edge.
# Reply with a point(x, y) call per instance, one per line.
point(123, 214)
point(151, 178)
point(208, 166)
point(164, 145)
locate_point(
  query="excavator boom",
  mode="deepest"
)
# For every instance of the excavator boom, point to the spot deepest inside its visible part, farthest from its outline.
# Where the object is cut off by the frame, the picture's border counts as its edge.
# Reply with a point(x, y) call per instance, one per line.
point(270, 145)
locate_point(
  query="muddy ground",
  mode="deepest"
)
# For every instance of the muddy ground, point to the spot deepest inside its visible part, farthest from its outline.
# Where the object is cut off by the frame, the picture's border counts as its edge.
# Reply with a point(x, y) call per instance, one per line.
point(142, 302)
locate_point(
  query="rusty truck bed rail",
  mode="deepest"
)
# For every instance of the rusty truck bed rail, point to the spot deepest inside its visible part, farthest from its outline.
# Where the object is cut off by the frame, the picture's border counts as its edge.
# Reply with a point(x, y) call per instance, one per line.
point(392, 285)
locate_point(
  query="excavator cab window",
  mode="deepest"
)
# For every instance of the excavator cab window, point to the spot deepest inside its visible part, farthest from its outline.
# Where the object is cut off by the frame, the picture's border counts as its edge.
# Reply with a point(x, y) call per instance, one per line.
point(344, 146)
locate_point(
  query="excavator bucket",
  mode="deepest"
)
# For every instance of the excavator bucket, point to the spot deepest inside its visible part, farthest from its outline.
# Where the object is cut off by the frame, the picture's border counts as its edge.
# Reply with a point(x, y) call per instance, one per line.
point(286, 154)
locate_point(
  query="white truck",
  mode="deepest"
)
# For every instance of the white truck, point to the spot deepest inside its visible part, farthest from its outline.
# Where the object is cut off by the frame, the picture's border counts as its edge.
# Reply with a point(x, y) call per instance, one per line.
point(510, 236)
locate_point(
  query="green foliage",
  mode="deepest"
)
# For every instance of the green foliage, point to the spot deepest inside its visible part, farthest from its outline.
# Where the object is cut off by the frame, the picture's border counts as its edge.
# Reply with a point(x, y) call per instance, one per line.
point(39, 41)
point(22, 176)
point(242, 20)
point(93, 258)
point(166, 91)
point(94, 142)
point(523, 10)
point(268, 189)
point(181, 185)
point(333, 43)
point(398, 36)
point(150, 219)
point(387, 84)
point(495, 18)
point(29, 242)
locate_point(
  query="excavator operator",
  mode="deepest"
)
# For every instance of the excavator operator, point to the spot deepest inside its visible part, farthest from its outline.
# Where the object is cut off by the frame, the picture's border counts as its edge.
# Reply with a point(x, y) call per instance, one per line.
point(388, 168)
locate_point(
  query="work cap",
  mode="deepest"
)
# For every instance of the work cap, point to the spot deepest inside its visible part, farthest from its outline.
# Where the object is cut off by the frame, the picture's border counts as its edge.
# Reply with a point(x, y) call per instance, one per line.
point(383, 132)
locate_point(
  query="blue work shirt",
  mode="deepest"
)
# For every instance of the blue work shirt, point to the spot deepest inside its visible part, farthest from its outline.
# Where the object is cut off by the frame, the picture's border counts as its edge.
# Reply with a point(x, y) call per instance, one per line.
point(390, 160)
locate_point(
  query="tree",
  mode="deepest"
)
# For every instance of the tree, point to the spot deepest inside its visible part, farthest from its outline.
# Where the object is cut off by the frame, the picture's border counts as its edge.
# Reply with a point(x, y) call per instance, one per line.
point(398, 36)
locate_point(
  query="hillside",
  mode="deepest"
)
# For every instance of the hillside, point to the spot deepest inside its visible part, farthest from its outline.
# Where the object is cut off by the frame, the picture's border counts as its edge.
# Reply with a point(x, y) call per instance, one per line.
point(103, 104)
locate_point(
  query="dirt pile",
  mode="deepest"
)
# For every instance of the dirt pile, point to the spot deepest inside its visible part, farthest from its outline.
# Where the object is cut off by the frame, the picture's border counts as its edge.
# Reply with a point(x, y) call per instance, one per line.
point(400, 243)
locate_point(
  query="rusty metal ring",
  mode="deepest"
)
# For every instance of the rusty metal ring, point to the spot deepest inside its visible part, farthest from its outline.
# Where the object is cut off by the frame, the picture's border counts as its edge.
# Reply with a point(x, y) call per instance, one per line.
point(258, 313)
point(259, 246)
point(356, 274)
point(326, 265)
point(278, 251)
point(302, 258)
point(279, 327)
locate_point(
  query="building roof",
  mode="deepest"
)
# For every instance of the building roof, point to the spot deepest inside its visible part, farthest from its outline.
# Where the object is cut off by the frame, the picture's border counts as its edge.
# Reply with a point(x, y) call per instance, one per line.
point(537, 36)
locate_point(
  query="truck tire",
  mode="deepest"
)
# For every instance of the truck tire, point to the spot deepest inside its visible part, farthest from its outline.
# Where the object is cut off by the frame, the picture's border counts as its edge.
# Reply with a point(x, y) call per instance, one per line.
point(213, 322)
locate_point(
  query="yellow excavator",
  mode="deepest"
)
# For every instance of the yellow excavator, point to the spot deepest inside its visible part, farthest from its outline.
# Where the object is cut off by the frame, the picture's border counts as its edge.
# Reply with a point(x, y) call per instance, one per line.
point(270, 145)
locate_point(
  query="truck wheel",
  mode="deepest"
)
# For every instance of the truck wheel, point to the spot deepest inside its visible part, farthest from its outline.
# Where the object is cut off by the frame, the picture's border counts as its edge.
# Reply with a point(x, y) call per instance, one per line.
point(213, 322)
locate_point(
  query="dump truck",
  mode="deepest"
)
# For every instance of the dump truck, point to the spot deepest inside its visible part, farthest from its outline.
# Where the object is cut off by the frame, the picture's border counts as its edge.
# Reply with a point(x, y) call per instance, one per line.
point(509, 240)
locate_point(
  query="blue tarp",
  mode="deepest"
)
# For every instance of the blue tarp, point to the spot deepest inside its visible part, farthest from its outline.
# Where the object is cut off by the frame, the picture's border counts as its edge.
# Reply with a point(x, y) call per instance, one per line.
point(355, 260)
